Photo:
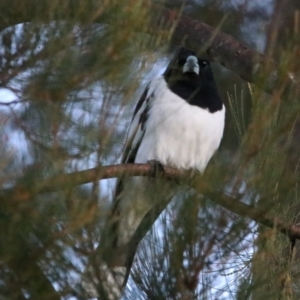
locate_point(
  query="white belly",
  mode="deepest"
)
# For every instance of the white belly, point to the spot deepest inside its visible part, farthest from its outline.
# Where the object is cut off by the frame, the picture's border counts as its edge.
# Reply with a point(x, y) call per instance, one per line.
point(179, 134)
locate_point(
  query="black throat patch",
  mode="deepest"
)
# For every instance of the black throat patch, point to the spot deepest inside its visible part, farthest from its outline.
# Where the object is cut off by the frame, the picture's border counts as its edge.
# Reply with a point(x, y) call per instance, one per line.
point(199, 90)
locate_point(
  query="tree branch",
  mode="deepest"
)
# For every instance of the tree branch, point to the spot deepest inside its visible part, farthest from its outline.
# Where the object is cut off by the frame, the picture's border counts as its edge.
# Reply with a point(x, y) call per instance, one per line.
point(198, 36)
point(218, 46)
point(68, 181)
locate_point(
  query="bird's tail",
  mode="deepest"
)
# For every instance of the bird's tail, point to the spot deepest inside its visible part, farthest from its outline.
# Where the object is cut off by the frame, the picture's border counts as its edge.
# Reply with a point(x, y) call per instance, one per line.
point(106, 276)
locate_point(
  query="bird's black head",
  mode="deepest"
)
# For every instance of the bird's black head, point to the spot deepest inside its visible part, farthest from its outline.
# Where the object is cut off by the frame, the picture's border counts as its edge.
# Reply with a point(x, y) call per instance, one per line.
point(186, 65)
point(191, 78)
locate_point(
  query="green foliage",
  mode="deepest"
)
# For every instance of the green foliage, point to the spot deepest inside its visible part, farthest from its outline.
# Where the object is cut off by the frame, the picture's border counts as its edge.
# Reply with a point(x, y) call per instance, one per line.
point(74, 68)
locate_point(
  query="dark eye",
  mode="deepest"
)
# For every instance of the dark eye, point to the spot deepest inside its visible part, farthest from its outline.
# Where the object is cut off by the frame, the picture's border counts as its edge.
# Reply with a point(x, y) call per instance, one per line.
point(203, 64)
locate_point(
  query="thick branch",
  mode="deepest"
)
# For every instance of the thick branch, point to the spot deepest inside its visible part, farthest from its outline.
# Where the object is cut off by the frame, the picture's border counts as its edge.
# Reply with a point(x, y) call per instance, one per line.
point(218, 46)
point(66, 181)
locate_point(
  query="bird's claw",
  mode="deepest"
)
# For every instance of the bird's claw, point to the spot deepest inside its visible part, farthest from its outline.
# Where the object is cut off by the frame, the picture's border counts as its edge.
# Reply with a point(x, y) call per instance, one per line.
point(156, 167)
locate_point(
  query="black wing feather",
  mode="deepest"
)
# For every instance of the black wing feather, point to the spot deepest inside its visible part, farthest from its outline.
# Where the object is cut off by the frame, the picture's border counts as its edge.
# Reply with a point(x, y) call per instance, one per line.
point(130, 151)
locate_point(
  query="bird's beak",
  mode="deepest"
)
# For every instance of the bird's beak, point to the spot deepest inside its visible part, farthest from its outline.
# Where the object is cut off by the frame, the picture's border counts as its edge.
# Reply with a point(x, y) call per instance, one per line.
point(191, 65)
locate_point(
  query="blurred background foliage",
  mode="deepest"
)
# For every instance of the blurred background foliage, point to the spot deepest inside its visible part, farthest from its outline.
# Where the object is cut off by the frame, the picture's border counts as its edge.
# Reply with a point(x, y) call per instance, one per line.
point(69, 82)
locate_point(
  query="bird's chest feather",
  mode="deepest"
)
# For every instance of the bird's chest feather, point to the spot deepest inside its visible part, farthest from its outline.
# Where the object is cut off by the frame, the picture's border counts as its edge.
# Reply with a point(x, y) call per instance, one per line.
point(179, 134)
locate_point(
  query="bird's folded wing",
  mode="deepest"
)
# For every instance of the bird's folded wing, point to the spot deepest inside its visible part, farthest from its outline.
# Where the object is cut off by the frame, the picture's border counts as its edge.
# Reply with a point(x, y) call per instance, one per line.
point(137, 127)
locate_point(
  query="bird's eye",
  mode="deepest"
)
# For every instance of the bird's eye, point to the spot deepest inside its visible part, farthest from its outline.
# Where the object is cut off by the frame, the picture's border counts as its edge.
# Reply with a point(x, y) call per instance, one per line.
point(203, 64)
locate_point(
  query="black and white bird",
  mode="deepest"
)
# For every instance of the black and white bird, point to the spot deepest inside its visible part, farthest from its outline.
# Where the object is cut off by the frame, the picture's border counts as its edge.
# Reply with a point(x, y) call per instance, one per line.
point(179, 122)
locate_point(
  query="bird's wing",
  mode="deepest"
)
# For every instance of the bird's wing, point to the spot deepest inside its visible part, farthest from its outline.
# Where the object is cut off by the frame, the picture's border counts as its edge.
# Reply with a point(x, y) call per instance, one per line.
point(137, 127)
point(134, 137)
point(112, 283)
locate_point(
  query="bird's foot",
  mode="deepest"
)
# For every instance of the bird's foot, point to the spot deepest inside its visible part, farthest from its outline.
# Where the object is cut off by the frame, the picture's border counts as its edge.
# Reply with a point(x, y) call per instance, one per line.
point(156, 167)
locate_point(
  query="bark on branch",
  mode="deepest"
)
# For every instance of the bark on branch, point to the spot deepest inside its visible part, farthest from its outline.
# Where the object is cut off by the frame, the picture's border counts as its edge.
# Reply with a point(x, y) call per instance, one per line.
point(218, 46)
point(198, 36)
point(69, 181)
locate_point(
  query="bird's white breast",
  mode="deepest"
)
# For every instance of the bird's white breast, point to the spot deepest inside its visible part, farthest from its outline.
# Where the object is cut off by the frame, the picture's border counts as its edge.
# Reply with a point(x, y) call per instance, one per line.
point(179, 134)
